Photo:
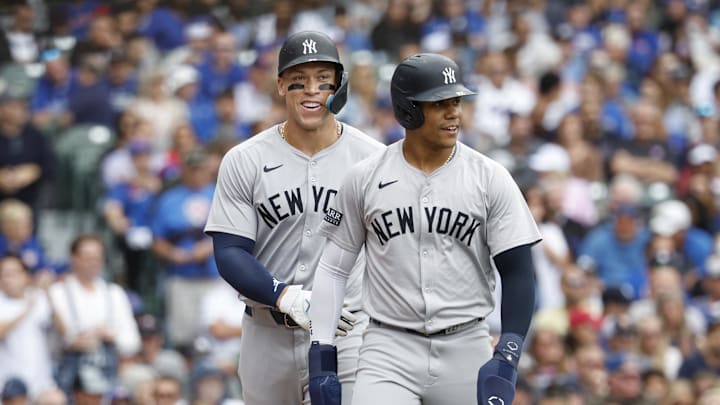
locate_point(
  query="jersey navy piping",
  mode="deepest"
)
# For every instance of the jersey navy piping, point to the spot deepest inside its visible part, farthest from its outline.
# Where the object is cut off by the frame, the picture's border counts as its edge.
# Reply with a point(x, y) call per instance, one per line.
point(269, 169)
point(382, 185)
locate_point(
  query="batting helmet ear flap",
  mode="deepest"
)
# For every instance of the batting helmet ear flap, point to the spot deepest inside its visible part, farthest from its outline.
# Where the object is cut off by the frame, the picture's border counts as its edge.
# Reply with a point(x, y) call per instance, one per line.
point(337, 100)
point(408, 114)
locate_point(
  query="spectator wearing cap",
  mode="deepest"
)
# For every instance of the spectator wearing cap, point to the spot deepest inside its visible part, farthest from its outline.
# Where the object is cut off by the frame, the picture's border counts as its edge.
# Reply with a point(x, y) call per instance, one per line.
point(27, 158)
point(102, 37)
point(25, 318)
point(695, 187)
point(521, 147)
point(15, 392)
point(153, 355)
point(709, 302)
point(672, 218)
point(50, 100)
point(220, 70)
point(96, 317)
point(198, 37)
point(183, 84)
point(179, 241)
point(127, 210)
point(707, 358)
point(655, 348)
point(616, 249)
point(208, 385)
point(122, 80)
point(167, 390)
point(625, 380)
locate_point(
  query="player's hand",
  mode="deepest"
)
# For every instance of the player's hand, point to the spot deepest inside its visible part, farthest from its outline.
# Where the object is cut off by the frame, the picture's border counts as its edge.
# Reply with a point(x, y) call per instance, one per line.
point(324, 387)
point(497, 378)
point(346, 323)
point(296, 303)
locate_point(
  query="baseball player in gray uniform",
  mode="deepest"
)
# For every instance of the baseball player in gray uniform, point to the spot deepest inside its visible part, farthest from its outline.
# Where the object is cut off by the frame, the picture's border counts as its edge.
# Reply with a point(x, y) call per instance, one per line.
point(433, 216)
point(272, 193)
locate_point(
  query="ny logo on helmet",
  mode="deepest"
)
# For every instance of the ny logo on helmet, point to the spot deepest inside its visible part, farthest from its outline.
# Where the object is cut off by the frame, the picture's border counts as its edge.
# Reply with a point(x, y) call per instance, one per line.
point(309, 46)
point(449, 74)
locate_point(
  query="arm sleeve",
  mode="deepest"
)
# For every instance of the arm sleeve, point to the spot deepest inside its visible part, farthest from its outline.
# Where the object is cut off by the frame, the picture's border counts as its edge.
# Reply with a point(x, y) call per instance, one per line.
point(328, 294)
point(238, 266)
point(517, 273)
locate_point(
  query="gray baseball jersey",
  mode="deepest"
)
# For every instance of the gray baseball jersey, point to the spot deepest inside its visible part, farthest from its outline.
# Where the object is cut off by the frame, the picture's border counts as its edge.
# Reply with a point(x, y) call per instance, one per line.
point(274, 194)
point(429, 239)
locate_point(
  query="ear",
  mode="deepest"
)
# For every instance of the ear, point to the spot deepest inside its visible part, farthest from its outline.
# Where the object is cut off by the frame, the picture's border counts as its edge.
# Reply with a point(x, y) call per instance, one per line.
point(280, 87)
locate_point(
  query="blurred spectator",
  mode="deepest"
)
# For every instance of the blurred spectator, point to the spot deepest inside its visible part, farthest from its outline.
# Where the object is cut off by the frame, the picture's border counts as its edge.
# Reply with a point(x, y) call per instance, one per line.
point(695, 187)
point(395, 29)
point(198, 37)
point(647, 156)
point(160, 24)
point(234, 15)
point(27, 159)
point(97, 320)
point(17, 238)
point(79, 13)
point(680, 392)
point(585, 159)
point(25, 318)
point(453, 23)
point(655, 348)
point(167, 391)
point(616, 250)
point(655, 385)
point(499, 95)
point(645, 43)
point(550, 360)
point(673, 219)
point(89, 99)
point(221, 313)
point(116, 166)
point(684, 333)
point(15, 392)
point(127, 210)
point(707, 358)
point(220, 70)
point(156, 105)
point(591, 373)
point(153, 353)
point(49, 104)
point(625, 381)
point(183, 85)
point(535, 51)
point(228, 127)
point(362, 98)
point(184, 140)
point(272, 27)
point(208, 386)
point(19, 42)
point(186, 251)
point(709, 303)
point(52, 396)
point(522, 144)
point(122, 82)
point(102, 38)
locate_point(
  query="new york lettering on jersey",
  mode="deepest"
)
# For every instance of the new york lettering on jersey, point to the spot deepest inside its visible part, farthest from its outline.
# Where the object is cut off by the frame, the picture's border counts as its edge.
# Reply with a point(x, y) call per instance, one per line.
point(291, 202)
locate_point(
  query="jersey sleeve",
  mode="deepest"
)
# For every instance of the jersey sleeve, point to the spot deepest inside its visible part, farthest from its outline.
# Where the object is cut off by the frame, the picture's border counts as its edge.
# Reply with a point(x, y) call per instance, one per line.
point(232, 209)
point(343, 222)
point(510, 222)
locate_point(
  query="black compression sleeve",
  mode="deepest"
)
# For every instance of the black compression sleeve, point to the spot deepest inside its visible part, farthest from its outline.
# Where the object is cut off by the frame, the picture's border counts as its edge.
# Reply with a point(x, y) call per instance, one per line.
point(517, 273)
point(238, 266)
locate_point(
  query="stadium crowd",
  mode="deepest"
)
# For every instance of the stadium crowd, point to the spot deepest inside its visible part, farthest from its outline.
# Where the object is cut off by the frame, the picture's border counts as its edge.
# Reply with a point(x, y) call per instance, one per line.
point(606, 112)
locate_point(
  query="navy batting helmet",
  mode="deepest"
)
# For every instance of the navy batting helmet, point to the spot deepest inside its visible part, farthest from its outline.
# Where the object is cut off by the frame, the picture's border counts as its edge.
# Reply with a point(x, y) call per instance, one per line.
point(423, 77)
point(312, 46)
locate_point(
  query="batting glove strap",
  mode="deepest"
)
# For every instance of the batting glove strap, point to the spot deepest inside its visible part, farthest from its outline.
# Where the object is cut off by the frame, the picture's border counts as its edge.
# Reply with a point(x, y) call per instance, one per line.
point(509, 348)
point(322, 360)
point(296, 303)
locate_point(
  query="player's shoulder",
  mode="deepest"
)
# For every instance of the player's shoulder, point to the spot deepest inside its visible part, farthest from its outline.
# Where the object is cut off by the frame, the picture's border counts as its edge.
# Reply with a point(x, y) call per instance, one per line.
point(256, 144)
point(359, 139)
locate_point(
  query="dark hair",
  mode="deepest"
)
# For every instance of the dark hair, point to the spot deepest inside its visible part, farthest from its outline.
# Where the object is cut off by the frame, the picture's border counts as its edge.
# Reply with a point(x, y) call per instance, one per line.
point(10, 256)
point(548, 82)
point(82, 238)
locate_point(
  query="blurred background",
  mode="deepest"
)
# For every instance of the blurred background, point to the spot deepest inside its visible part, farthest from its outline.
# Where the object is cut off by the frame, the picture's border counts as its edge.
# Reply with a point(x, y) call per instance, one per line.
point(114, 116)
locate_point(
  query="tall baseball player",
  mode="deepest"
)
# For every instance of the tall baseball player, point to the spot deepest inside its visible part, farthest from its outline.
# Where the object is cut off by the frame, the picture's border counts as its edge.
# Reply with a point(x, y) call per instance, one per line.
point(272, 193)
point(433, 215)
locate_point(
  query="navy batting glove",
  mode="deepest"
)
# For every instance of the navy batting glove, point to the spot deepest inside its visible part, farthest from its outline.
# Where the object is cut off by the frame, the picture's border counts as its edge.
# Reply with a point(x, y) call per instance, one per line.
point(497, 378)
point(325, 387)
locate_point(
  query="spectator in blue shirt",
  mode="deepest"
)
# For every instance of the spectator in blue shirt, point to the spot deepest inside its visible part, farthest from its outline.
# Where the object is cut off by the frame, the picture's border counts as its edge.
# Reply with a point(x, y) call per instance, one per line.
point(50, 101)
point(616, 250)
point(179, 217)
point(220, 70)
point(160, 24)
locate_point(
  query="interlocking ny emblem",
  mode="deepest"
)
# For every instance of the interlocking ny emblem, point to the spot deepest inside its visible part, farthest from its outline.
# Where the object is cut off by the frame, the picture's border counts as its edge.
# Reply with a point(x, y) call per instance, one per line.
point(309, 46)
point(449, 74)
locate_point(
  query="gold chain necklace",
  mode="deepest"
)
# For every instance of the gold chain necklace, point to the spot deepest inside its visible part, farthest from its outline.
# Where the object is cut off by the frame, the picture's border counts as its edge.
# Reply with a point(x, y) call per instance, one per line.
point(337, 126)
point(452, 154)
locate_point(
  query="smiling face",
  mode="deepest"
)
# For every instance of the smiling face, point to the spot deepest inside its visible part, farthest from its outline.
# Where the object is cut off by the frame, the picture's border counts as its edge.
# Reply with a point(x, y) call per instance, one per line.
point(442, 123)
point(306, 88)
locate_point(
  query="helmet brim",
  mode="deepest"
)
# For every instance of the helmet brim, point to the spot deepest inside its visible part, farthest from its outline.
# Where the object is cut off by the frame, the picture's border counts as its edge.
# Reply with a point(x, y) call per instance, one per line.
point(442, 93)
point(308, 59)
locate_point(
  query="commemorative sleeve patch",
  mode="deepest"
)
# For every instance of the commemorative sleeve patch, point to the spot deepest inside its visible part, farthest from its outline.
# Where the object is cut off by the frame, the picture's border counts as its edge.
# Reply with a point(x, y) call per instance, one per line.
point(333, 217)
